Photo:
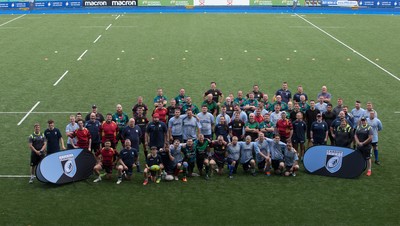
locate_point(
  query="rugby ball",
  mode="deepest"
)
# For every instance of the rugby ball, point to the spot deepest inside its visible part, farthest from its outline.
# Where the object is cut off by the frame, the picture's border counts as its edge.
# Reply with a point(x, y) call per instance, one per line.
point(169, 177)
point(155, 168)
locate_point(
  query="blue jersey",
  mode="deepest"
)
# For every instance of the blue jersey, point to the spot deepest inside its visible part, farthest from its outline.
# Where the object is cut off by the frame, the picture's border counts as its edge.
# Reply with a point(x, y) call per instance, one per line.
point(276, 149)
point(264, 148)
point(176, 153)
point(376, 126)
point(246, 151)
point(53, 140)
point(128, 156)
point(176, 124)
point(156, 131)
point(233, 151)
point(94, 129)
point(290, 157)
point(206, 122)
point(133, 134)
point(319, 130)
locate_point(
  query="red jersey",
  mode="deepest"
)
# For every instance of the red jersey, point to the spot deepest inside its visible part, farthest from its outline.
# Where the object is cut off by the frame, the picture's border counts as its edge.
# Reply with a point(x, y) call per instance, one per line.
point(284, 126)
point(83, 137)
point(259, 118)
point(109, 131)
point(107, 156)
point(162, 112)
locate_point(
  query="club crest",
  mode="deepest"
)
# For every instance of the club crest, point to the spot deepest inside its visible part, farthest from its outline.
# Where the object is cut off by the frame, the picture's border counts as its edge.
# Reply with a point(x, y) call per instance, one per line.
point(333, 161)
point(68, 164)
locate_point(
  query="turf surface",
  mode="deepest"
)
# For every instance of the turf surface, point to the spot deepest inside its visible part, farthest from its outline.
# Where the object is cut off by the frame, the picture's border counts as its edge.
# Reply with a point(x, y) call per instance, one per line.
point(151, 52)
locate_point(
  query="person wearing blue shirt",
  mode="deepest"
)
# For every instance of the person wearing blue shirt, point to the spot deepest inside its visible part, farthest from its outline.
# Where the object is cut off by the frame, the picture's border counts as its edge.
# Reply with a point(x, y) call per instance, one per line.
point(376, 126)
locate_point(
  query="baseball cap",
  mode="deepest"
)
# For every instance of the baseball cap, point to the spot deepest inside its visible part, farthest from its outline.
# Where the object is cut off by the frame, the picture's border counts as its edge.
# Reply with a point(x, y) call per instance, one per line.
point(319, 114)
point(94, 106)
point(363, 118)
point(156, 115)
point(153, 147)
point(284, 112)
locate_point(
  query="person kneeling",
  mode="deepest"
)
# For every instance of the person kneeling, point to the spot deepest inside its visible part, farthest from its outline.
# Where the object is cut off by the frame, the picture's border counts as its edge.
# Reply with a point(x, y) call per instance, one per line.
point(105, 160)
point(153, 168)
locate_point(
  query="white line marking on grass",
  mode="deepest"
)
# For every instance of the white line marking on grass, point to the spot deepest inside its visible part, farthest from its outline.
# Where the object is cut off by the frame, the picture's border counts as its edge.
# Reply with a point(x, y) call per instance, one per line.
point(29, 112)
point(16, 18)
point(14, 176)
point(62, 76)
point(97, 39)
point(80, 58)
point(397, 112)
point(347, 46)
point(108, 27)
point(117, 17)
point(5, 28)
point(91, 26)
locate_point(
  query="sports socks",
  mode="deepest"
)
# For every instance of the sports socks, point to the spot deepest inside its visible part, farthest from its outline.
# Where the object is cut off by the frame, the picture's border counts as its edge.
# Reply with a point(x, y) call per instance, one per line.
point(230, 167)
point(376, 155)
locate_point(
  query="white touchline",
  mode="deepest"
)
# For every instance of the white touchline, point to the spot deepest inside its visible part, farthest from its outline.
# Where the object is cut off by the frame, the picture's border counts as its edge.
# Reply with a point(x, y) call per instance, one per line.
point(97, 39)
point(397, 112)
point(14, 176)
point(29, 112)
point(16, 18)
point(108, 27)
point(62, 76)
point(117, 17)
point(345, 45)
point(80, 58)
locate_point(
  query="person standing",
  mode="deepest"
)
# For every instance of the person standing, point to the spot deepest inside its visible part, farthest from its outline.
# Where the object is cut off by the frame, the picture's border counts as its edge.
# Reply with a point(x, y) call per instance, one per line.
point(284, 92)
point(156, 133)
point(37, 146)
point(343, 135)
point(160, 98)
point(357, 112)
point(121, 118)
point(99, 116)
point(84, 139)
point(142, 121)
point(109, 130)
point(311, 116)
point(363, 138)
point(217, 95)
point(206, 121)
point(54, 138)
point(376, 126)
point(299, 134)
point(69, 130)
point(140, 105)
point(94, 128)
point(319, 131)
point(285, 128)
point(327, 96)
point(329, 117)
point(133, 133)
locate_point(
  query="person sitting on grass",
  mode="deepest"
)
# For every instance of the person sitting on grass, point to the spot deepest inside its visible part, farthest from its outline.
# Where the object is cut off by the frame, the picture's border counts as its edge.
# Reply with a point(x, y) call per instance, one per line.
point(291, 160)
point(153, 167)
point(128, 158)
point(105, 160)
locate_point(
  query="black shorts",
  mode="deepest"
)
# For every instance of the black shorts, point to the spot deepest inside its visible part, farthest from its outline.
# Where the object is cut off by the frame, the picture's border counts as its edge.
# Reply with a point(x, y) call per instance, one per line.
point(142, 140)
point(200, 162)
point(129, 171)
point(288, 168)
point(298, 141)
point(220, 163)
point(261, 165)
point(230, 161)
point(191, 166)
point(107, 168)
point(375, 144)
point(275, 163)
point(95, 147)
point(365, 151)
point(35, 159)
point(246, 166)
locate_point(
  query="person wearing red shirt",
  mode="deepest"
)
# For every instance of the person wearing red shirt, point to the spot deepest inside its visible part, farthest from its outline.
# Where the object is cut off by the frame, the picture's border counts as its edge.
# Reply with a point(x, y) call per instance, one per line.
point(161, 111)
point(284, 127)
point(258, 116)
point(109, 130)
point(82, 135)
point(106, 159)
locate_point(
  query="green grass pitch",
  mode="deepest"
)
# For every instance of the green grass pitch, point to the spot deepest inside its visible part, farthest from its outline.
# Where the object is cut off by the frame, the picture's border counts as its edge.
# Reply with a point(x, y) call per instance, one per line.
point(151, 52)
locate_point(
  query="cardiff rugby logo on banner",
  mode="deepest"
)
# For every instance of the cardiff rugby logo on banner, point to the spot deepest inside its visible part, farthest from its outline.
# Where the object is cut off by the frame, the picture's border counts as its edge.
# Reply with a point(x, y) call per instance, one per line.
point(333, 161)
point(68, 164)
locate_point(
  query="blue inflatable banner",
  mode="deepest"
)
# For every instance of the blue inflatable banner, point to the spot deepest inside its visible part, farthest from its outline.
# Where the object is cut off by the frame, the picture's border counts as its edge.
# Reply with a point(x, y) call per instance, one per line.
point(66, 166)
point(334, 161)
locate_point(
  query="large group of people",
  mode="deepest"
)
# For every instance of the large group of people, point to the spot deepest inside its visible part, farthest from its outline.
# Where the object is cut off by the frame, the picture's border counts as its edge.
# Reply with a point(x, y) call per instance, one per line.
point(262, 134)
